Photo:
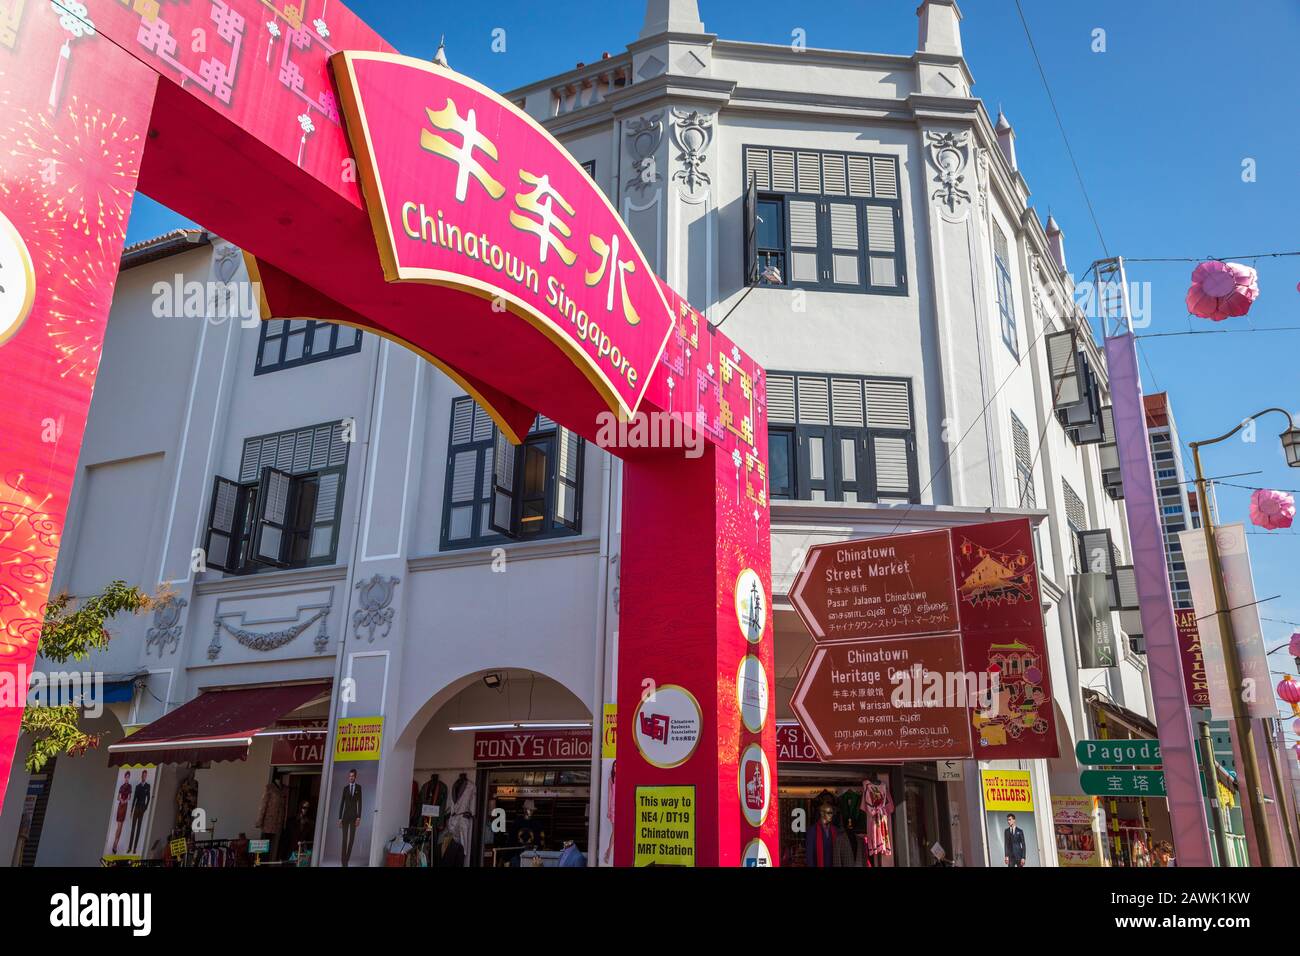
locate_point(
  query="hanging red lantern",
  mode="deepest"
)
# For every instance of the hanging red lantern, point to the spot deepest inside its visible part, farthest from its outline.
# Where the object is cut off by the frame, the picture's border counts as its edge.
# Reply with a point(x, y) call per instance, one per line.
point(1289, 691)
point(1294, 646)
point(1221, 290)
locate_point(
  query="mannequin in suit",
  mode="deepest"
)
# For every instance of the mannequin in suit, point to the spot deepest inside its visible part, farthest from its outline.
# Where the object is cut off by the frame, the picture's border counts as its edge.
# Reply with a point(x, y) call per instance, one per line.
point(350, 814)
point(1013, 843)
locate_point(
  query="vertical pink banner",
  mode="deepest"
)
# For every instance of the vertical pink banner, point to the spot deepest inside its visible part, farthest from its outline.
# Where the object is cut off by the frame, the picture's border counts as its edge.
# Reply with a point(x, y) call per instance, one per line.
point(72, 145)
point(1164, 656)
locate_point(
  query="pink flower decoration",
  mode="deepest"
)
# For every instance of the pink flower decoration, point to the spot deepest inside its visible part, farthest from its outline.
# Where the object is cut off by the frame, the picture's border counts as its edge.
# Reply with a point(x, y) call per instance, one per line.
point(1222, 289)
point(1271, 509)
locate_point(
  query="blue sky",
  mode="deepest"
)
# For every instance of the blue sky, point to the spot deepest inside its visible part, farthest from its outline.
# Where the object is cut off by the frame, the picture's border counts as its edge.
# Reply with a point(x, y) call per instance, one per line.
point(1160, 124)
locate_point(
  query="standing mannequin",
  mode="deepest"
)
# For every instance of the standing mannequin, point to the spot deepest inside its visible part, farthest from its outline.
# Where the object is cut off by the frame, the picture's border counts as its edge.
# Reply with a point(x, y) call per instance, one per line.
point(878, 805)
point(434, 793)
point(460, 814)
point(350, 814)
point(271, 813)
point(187, 799)
point(825, 843)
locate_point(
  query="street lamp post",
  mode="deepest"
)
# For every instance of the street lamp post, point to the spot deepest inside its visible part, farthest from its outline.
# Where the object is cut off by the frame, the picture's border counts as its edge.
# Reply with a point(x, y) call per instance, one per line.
point(1232, 662)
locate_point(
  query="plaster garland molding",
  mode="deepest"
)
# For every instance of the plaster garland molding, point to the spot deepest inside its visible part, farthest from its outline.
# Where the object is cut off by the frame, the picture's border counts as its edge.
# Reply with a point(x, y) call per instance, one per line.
point(692, 134)
point(950, 155)
point(982, 170)
point(270, 640)
point(376, 597)
point(644, 136)
point(165, 633)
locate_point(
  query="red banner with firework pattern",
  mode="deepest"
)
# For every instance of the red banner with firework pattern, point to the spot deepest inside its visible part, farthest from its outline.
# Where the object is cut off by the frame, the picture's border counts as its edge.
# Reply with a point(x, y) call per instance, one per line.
point(72, 145)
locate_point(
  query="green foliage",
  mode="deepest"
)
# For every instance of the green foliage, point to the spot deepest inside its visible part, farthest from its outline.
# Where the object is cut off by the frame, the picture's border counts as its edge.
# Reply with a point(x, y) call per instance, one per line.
point(71, 631)
point(54, 731)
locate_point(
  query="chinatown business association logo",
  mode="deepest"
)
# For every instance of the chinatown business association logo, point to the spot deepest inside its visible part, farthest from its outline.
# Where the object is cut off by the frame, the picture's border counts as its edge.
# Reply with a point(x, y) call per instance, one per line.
point(667, 726)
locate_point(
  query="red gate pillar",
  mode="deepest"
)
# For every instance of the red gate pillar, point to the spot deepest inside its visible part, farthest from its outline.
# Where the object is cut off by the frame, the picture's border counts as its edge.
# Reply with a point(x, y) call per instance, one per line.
point(695, 666)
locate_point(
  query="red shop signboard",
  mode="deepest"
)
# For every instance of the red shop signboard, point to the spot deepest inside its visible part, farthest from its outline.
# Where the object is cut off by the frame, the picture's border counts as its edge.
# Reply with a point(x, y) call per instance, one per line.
point(305, 747)
point(516, 746)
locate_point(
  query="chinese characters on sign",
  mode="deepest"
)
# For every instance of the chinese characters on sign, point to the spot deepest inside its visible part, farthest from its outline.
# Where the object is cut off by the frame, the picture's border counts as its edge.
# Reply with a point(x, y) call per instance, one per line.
point(471, 193)
point(973, 593)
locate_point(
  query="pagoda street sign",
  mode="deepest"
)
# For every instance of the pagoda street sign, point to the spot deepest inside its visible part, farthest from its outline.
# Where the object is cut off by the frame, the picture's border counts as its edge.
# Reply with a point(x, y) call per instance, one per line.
point(901, 586)
point(885, 699)
point(1118, 753)
point(1123, 783)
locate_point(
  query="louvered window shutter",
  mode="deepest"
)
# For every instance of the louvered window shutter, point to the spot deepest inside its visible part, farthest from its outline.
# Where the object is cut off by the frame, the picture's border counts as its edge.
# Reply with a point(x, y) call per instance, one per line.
point(882, 246)
point(889, 404)
point(751, 233)
point(846, 244)
point(221, 545)
point(892, 445)
point(325, 520)
point(503, 516)
point(891, 455)
point(803, 240)
point(271, 522)
point(567, 475)
point(1063, 367)
point(780, 399)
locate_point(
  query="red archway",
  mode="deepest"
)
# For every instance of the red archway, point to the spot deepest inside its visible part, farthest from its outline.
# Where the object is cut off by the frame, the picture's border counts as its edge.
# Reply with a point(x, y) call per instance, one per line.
point(330, 169)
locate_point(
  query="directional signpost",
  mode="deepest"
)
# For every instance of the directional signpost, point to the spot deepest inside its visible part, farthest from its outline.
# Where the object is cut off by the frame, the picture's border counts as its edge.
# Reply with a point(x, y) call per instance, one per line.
point(868, 700)
point(928, 646)
point(857, 590)
point(1123, 783)
point(1119, 753)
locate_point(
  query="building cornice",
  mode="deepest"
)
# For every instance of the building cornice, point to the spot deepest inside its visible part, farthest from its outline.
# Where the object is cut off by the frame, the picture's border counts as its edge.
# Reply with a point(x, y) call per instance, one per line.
point(515, 551)
point(272, 580)
point(829, 515)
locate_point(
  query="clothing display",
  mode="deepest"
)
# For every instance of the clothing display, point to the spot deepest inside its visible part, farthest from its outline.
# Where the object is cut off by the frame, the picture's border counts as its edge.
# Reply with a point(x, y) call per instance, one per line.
point(187, 799)
point(274, 808)
point(460, 813)
point(433, 793)
point(449, 851)
point(878, 806)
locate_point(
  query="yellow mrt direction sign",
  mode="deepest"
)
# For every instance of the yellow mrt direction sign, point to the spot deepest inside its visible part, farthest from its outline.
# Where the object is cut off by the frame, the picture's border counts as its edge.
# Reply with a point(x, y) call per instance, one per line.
point(665, 826)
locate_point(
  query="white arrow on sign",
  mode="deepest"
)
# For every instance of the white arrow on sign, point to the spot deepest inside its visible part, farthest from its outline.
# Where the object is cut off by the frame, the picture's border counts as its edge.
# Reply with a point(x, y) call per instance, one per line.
point(796, 592)
point(801, 712)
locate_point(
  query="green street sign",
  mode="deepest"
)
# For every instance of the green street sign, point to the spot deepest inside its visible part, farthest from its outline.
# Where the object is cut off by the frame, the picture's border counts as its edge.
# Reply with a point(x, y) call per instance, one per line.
point(1118, 753)
point(1123, 783)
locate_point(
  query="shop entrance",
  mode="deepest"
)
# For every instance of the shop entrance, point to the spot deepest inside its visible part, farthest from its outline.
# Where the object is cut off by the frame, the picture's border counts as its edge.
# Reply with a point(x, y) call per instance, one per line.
point(533, 814)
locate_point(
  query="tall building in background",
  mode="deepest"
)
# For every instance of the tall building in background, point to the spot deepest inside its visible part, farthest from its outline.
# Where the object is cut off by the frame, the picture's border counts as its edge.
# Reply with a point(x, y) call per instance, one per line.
point(1178, 506)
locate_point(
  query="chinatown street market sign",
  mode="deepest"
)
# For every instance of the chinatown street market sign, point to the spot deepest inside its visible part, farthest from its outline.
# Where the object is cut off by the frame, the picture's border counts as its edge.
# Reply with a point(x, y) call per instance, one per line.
point(928, 646)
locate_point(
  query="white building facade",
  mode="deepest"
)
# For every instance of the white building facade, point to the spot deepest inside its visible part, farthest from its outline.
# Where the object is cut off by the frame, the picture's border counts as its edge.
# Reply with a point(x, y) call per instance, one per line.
point(859, 223)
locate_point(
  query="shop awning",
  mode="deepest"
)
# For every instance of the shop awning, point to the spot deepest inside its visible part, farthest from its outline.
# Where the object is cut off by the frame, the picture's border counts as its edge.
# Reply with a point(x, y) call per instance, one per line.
point(1134, 723)
point(216, 725)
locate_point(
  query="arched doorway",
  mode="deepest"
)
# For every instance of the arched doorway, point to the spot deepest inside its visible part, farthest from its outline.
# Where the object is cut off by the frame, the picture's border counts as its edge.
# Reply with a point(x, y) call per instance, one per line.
point(505, 763)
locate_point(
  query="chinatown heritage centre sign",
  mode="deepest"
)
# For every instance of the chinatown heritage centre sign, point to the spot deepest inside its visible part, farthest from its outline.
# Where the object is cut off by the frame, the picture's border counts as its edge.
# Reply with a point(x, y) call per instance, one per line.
point(402, 198)
point(927, 646)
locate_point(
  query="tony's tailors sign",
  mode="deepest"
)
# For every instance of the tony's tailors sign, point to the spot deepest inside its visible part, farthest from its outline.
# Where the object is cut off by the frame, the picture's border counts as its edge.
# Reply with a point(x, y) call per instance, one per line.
point(535, 746)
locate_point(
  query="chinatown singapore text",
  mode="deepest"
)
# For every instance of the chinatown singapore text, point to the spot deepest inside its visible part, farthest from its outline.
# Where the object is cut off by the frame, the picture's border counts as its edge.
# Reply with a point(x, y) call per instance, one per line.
point(540, 210)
